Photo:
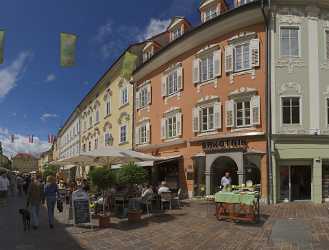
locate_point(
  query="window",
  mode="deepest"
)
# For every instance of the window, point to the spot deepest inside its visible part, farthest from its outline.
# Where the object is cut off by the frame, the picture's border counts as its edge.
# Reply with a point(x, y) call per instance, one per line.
point(210, 13)
point(142, 134)
point(90, 121)
point(108, 106)
point(171, 127)
point(97, 116)
point(327, 43)
point(172, 83)
point(290, 110)
point(289, 41)
point(207, 67)
point(207, 118)
point(124, 96)
point(242, 57)
point(108, 139)
point(89, 146)
point(123, 134)
point(147, 55)
point(143, 95)
point(177, 32)
point(327, 111)
point(242, 2)
point(243, 114)
point(96, 143)
point(85, 124)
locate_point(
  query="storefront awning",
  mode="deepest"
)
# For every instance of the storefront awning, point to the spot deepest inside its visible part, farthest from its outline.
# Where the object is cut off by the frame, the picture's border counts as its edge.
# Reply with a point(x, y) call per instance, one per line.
point(169, 158)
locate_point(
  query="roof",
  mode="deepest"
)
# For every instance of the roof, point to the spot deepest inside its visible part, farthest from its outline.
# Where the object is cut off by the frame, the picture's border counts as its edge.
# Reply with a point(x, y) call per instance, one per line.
point(196, 29)
point(24, 155)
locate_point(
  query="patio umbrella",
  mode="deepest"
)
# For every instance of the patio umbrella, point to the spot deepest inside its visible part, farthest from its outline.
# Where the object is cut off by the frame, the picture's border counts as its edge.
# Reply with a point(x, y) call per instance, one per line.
point(3, 170)
point(108, 156)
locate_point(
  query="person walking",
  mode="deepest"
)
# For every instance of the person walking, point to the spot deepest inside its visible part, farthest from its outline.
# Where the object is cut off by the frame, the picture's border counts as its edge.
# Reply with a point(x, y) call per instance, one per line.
point(4, 184)
point(35, 196)
point(51, 194)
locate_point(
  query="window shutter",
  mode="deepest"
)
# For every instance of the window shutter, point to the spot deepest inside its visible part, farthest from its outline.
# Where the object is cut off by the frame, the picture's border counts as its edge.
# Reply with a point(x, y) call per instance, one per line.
point(164, 85)
point(228, 58)
point(196, 70)
point(149, 94)
point(163, 128)
point(137, 100)
point(179, 124)
point(196, 120)
point(137, 136)
point(255, 110)
point(254, 50)
point(218, 115)
point(180, 78)
point(148, 132)
point(229, 107)
point(218, 62)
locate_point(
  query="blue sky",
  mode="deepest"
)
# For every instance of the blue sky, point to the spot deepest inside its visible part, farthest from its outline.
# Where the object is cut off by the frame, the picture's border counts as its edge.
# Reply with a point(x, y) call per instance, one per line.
point(36, 94)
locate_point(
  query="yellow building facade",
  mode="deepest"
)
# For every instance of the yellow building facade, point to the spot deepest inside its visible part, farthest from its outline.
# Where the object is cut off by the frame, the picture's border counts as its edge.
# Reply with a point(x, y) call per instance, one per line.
point(106, 113)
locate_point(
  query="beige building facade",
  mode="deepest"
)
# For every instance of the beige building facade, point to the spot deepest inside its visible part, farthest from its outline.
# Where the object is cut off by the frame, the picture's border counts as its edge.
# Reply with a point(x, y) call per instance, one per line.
point(24, 163)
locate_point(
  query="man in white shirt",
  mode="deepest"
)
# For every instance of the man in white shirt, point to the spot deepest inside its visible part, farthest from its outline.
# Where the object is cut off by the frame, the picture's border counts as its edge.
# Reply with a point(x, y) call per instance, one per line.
point(226, 180)
point(163, 188)
point(4, 184)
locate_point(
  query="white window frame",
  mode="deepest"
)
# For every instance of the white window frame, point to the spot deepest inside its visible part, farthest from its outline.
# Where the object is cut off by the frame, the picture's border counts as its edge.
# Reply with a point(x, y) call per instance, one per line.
point(173, 83)
point(126, 134)
point(243, 101)
point(147, 55)
point(207, 56)
point(143, 95)
point(300, 111)
point(209, 9)
point(142, 137)
point(109, 142)
point(201, 108)
point(296, 26)
point(176, 33)
point(124, 95)
point(327, 110)
point(174, 131)
point(108, 106)
point(242, 57)
point(97, 115)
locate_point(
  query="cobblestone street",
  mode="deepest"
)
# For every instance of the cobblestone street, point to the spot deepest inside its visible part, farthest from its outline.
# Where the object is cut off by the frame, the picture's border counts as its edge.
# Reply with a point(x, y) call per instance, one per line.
point(283, 226)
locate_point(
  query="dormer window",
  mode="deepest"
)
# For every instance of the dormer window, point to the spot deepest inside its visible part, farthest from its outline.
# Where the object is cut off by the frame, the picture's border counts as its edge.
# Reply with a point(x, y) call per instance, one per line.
point(210, 13)
point(147, 55)
point(242, 2)
point(177, 32)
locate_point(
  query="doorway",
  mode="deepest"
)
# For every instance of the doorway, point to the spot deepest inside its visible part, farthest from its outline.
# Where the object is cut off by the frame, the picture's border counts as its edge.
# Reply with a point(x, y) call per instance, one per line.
point(295, 183)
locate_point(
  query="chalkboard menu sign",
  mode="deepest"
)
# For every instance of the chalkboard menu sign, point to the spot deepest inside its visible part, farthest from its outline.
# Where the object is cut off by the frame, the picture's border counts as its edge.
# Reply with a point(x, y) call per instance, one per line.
point(81, 213)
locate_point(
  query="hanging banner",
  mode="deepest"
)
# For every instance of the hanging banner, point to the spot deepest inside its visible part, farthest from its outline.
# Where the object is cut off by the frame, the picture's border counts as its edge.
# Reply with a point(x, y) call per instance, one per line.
point(128, 65)
point(2, 42)
point(68, 44)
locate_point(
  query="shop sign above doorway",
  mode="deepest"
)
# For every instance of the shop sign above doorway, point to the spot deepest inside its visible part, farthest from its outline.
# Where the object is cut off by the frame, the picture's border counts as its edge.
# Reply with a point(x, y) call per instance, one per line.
point(228, 145)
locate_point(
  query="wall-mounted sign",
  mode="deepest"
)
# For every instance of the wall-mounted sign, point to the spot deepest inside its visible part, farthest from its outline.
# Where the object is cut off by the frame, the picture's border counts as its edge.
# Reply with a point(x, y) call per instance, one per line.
point(227, 145)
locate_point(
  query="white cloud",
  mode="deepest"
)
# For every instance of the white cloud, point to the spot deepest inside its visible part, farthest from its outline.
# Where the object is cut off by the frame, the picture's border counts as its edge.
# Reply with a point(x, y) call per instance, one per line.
point(10, 75)
point(47, 116)
point(154, 27)
point(21, 144)
point(50, 78)
point(113, 39)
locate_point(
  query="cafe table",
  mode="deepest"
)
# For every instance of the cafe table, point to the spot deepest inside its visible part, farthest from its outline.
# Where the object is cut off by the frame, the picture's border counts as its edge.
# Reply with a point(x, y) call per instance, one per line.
point(237, 206)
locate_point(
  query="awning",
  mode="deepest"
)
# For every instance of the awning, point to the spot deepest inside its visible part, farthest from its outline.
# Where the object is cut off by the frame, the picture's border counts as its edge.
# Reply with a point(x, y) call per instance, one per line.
point(165, 159)
point(140, 164)
point(68, 167)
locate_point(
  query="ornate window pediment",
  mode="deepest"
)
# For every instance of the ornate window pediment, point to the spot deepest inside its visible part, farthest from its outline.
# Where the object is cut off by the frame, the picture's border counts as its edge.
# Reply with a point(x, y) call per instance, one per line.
point(124, 117)
point(242, 92)
point(291, 88)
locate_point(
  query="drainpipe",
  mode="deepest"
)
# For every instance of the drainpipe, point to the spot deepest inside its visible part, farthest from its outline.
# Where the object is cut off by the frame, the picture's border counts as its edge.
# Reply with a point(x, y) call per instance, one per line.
point(268, 100)
point(132, 82)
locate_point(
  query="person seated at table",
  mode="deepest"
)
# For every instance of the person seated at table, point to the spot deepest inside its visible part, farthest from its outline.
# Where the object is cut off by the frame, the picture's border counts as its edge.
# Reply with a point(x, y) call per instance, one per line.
point(163, 188)
point(226, 180)
point(147, 192)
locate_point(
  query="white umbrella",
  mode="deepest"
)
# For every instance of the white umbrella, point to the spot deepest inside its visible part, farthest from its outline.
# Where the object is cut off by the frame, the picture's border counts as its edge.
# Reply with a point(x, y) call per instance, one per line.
point(108, 156)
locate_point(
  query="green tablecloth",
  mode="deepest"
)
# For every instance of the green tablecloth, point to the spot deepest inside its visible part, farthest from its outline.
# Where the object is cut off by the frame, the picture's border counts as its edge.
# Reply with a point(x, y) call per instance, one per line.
point(235, 198)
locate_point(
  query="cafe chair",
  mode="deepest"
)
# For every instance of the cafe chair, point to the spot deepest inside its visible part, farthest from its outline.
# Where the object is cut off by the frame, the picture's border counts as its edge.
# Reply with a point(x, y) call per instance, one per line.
point(147, 202)
point(177, 198)
point(165, 197)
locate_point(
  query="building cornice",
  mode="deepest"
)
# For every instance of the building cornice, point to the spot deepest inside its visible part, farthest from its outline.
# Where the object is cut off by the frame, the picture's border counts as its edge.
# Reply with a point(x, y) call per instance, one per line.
point(243, 16)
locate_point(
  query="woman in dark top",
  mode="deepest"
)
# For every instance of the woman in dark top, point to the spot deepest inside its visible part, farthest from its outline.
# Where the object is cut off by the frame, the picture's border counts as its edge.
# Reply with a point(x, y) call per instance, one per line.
point(51, 194)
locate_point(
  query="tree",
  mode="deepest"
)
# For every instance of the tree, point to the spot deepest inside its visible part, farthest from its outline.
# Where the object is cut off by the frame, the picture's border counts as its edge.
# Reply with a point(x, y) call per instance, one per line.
point(132, 174)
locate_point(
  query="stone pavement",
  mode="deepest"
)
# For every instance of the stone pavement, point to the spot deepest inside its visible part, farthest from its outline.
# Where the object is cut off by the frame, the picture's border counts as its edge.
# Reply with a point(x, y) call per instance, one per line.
point(283, 226)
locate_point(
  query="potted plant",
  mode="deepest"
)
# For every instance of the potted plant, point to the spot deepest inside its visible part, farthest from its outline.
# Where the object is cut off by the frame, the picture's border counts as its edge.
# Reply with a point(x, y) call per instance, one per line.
point(132, 175)
point(102, 178)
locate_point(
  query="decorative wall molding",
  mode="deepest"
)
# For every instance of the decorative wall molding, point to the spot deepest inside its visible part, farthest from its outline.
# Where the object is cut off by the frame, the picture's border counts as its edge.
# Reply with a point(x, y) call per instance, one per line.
point(290, 63)
point(242, 36)
point(208, 99)
point(243, 91)
point(295, 87)
point(124, 117)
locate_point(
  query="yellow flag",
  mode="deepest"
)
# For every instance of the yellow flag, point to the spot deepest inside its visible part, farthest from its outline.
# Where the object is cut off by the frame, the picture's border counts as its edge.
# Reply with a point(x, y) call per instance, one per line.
point(68, 44)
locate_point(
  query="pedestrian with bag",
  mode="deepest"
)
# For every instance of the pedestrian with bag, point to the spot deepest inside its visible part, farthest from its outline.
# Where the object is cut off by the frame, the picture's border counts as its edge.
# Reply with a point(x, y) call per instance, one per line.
point(51, 194)
point(35, 196)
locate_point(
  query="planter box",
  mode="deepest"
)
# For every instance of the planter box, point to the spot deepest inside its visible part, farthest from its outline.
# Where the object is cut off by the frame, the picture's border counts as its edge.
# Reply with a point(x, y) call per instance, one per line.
point(104, 221)
point(134, 216)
